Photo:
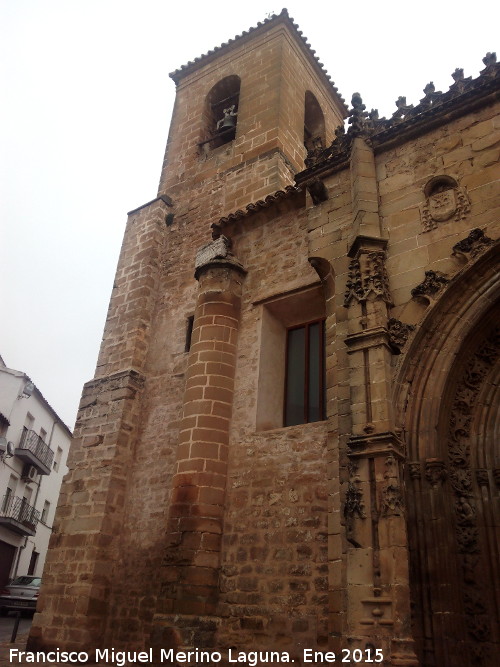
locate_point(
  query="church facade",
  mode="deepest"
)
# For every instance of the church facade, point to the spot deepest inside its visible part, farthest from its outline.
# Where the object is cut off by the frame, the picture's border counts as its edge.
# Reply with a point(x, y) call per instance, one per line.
point(289, 440)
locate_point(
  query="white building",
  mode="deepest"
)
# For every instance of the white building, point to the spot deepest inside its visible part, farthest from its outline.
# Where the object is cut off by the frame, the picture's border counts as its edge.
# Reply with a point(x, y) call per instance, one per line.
point(34, 445)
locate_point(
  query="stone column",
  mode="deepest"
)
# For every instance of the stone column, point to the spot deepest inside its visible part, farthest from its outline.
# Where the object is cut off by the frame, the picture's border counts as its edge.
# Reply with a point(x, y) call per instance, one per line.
point(378, 600)
point(190, 578)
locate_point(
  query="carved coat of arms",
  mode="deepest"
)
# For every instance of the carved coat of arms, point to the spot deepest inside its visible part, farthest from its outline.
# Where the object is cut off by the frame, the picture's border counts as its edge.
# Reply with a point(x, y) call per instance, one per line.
point(442, 205)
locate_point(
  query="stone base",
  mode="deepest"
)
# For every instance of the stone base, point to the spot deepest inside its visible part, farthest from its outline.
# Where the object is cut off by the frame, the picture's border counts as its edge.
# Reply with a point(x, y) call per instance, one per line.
point(181, 632)
point(403, 653)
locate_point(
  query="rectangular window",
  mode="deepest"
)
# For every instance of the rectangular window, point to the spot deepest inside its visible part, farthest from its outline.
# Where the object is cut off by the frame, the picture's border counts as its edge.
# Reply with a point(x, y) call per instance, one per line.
point(57, 459)
point(305, 374)
point(45, 512)
point(33, 562)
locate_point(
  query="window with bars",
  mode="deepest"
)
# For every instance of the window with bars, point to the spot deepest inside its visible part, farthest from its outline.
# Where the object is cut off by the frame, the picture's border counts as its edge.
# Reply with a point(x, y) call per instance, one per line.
point(305, 374)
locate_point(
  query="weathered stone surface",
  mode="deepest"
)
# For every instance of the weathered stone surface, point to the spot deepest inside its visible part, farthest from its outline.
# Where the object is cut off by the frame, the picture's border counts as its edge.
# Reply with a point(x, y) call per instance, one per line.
point(190, 516)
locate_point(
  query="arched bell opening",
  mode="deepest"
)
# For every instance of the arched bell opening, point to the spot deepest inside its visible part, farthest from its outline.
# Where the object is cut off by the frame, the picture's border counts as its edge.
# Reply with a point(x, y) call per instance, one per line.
point(221, 111)
point(449, 406)
point(314, 123)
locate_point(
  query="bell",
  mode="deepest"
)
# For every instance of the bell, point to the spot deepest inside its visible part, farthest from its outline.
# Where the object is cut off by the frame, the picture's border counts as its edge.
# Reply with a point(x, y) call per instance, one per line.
point(228, 122)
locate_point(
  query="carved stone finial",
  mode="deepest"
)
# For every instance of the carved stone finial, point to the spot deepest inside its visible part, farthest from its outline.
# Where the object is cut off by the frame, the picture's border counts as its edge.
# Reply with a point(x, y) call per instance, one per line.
point(358, 119)
point(431, 96)
point(403, 109)
point(489, 60)
point(458, 75)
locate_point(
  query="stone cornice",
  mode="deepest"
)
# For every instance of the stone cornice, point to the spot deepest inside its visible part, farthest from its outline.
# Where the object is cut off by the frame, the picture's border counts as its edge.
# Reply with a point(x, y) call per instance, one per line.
point(435, 108)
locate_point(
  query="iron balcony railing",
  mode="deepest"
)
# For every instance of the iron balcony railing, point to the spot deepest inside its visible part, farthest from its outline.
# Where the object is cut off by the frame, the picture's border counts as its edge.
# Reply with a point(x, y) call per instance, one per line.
point(34, 444)
point(18, 509)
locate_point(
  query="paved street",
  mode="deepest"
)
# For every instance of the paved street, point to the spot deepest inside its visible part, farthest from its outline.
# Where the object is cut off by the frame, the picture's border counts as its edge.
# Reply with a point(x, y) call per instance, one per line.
point(7, 623)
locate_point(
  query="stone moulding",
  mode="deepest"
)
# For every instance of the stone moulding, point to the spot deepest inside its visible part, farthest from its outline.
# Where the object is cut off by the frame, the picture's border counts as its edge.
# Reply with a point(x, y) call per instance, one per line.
point(376, 444)
point(366, 339)
point(217, 253)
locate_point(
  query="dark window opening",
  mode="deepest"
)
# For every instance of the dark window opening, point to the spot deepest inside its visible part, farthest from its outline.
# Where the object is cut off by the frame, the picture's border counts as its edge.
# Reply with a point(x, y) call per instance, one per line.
point(221, 112)
point(305, 374)
point(33, 562)
point(189, 333)
point(314, 124)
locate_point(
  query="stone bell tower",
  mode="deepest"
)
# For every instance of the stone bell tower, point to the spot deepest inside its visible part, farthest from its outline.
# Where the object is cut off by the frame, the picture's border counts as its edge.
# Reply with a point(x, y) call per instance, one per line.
point(140, 524)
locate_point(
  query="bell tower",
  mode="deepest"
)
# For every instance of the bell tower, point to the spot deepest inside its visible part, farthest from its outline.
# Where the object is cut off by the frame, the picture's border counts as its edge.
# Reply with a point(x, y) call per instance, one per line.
point(139, 536)
point(243, 116)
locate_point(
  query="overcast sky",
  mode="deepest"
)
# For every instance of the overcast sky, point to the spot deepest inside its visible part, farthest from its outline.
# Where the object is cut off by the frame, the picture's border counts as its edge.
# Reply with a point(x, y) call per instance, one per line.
point(84, 118)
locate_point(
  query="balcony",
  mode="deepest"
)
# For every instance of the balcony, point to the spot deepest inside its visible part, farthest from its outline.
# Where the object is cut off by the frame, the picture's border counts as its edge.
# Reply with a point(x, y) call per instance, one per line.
point(33, 450)
point(17, 515)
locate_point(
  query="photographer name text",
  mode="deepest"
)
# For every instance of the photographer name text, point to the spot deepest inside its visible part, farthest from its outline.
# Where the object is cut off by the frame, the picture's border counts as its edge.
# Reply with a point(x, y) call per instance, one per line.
point(251, 658)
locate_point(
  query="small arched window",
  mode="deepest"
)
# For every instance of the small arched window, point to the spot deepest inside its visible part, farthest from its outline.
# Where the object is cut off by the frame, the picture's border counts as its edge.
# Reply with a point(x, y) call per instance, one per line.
point(221, 111)
point(314, 123)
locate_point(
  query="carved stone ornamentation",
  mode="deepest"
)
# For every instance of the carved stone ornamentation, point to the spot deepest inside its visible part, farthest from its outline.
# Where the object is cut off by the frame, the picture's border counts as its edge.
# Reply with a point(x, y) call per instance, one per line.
point(490, 62)
point(368, 278)
point(317, 190)
point(431, 286)
point(482, 477)
point(354, 506)
point(460, 473)
point(445, 199)
point(472, 246)
point(398, 333)
point(435, 472)
point(392, 503)
point(415, 469)
point(216, 253)
point(374, 129)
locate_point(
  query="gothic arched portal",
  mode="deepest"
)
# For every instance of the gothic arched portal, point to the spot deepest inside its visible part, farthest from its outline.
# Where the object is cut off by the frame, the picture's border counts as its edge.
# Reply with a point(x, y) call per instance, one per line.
point(449, 404)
